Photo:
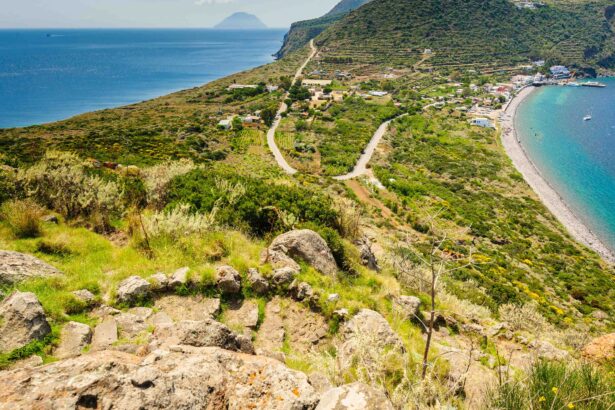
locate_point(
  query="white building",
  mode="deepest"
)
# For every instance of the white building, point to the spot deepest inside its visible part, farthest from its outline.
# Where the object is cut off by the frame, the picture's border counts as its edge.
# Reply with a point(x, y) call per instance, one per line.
point(225, 124)
point(378, 93)
point(482, 122)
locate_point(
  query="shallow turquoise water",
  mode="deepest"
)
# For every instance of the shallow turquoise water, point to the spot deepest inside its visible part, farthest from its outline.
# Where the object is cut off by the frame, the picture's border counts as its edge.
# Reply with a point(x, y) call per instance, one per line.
point(576, 157)
point(48, 75)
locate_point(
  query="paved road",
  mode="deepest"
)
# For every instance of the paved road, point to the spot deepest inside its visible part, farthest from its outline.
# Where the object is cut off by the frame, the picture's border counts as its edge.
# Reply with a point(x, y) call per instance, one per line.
point(271, 133)
point(361, 167)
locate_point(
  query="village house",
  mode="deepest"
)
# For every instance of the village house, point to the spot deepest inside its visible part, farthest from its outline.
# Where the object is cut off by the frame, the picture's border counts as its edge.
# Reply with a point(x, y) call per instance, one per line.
point(559, 72)
point(374, 93)
point(482, 122)
point(240, 86)
point(225, 124)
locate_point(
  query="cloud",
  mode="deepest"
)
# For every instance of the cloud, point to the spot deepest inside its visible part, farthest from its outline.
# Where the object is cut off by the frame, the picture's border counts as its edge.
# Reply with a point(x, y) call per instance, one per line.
point(201, 2)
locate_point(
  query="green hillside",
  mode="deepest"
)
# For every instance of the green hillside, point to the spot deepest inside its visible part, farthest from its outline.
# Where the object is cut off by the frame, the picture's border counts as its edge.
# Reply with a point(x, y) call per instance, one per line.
point(472, 33)
point(302, 32)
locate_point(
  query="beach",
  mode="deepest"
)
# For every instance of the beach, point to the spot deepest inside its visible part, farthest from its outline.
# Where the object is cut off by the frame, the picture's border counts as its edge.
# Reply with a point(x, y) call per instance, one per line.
point(549, 197)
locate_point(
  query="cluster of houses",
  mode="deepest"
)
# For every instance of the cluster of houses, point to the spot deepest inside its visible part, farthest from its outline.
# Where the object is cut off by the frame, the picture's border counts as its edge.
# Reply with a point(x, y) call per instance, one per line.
point(248, 121)
point(321, 92)
point(528, 4)
point(337, 74)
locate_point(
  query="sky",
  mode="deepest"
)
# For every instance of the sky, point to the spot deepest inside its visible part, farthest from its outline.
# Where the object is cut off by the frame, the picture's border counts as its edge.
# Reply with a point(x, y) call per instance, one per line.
point(152, 13)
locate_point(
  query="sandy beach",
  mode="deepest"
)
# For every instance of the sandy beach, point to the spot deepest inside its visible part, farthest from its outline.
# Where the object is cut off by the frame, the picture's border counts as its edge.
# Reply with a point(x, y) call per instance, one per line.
point(545, 192)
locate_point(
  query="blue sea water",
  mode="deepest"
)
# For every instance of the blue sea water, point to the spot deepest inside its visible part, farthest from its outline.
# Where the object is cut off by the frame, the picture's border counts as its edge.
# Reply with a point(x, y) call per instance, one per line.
point(48, 75)
point(576, 157)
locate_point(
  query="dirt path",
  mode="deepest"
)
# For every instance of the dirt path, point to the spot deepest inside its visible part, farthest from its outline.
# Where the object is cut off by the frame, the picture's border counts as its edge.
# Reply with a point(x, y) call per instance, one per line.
point(276, 123)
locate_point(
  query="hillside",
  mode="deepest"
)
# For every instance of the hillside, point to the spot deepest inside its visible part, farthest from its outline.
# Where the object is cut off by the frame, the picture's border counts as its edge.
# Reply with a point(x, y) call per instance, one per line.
point(302, 32)
point(241, 21)
point(476, 33)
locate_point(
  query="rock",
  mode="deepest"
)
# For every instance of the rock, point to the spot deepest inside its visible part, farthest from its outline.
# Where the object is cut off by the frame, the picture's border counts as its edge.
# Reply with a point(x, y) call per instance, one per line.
point(271, 333)
point(342, 313)
point(22, 320)
point(600, 315)
point(133, 289)
point(307, 246)
point(104, 311)
point(355, 396)
point(179, 378)
point(367, 330)
point(320, 382)
point(188, 307)
point(407, 306)
point(133, 323)
point(279, 259)
point(473, 328)
point(546, 350)
point(27, 363)
point(444, 321)
point(283, 276)
point(159, 281)
point(161, 319)
point(204, 333)
point(73, 338)
point(179, 277)
point(601, 349)
point(16, 267)
point(243, 314)
point(258, 284)
point(50, 219)
point(85, 296)
point(228, 280)
point(301, 291)
point(333, 297)
point(368, 258)
point(105, 334)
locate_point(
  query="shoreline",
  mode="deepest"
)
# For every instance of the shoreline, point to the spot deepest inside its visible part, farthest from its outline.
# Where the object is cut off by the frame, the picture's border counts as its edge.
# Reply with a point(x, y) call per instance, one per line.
point(545, 192)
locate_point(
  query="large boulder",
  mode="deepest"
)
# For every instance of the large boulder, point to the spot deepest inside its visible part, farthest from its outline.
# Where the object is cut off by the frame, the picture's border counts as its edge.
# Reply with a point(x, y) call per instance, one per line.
point(355, 396)
point(105, 334)
point(73, 338)
point(304, 245)
point(257, 282)
point(180, 377)
point(22, 320)
point(179, 277)
point(228, 280)
point(132, 289)
point(204, 333)
point(16, 267)
point(408, 307)
point(601, 349)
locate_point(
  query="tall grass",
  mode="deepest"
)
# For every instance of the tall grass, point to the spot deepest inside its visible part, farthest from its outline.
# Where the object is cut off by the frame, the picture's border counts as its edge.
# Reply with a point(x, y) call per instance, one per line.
point(556, 385)
point(23, 218)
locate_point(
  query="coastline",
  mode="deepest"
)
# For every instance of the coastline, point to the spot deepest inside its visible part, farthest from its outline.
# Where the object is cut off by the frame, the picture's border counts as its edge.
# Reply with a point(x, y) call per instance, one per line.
point(549, 197)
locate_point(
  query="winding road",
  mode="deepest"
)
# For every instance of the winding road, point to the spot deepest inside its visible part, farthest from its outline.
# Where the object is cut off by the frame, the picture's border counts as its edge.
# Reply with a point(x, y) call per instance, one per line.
point(278, 118)
point(361, 166)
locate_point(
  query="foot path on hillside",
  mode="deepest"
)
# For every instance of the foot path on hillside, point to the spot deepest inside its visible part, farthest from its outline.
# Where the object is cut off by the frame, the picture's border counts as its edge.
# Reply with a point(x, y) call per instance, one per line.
point(278, 118)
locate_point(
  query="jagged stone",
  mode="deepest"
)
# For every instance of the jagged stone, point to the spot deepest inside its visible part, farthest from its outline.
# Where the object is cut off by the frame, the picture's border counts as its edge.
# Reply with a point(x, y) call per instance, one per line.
point(333, 297)
point(133, 323)
point(74, 337)
point(601, 349)
point(546, 350)
point(407, 306)
point(257, 283)
point(16, 267)
point(105, 334)
point(305, 245)
point(180, 377)
point(320, 382)
point(133, 289)
point(203, 333)
point(228, 280)
point(600, 315)
point(355, 396)
point(85, 296)
point(159, 281)
point(301, 291)
point(188, 307)
point(22, 320)
point(368, 259)
point(243, 314)
point(283, 276)
point(50, 219)
point(179, 277)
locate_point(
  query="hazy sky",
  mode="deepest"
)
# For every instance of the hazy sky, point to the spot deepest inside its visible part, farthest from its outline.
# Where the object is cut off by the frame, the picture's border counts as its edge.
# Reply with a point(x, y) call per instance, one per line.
point(152, 13)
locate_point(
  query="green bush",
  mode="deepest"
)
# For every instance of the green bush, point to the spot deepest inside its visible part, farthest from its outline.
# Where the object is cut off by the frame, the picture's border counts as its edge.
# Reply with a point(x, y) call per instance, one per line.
point(23, 217)
point(555, 385)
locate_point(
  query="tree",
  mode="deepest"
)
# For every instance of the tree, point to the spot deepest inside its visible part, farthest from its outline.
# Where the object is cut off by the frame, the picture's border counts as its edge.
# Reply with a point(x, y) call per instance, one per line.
point(268, 115)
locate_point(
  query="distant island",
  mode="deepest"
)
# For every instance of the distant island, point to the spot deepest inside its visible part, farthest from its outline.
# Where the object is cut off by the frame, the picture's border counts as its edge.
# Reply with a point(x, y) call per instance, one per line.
point(241, 21)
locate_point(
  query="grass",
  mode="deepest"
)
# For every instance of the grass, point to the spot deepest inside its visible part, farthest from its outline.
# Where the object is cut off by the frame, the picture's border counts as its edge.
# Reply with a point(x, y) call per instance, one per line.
point(23, 217)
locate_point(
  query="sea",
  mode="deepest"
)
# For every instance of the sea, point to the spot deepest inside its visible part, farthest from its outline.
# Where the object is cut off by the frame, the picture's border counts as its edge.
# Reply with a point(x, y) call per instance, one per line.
point(49, 75)
point(576, 157)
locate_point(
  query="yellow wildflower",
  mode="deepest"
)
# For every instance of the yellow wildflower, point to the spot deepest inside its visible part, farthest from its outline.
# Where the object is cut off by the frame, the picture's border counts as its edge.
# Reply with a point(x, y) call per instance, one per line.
point(570, 406)
point(541, 399)
point(554, 390)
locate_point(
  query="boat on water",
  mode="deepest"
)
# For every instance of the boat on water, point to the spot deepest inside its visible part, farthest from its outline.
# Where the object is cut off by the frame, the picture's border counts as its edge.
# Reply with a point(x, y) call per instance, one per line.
point(587, 118)
point(593, 84)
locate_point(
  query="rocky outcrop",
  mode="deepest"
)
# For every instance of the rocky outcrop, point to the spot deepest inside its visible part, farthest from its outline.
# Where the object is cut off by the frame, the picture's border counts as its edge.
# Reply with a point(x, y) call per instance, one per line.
point(133, 289)
point(16, 267)
point(159, 281)
point(408, 307)
point(368, 259)
point(22, 320)
point(355, 396)
point(601, 349)
point(243, 315)
point(257, 283)
point(303, 245)
point(283, 276)
point(180, 377)
point(204, 333)
point(188, 307)
point(179, 277)
point(73, 338)
point(105, 334)
point(228, 280)
point(85, 296)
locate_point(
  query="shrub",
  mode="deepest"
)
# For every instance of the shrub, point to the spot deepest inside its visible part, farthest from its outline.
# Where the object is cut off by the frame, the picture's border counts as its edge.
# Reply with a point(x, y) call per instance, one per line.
point(23, 217)
point(523, 317)
point(555, 385)
point(7, 183)
point(177, 222)
point(158, 177)
point(61, 181)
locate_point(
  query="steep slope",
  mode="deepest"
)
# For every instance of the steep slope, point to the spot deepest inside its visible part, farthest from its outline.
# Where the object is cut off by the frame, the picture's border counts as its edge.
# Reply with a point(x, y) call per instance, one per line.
point(471, 32)
point(302, 32)
point(241, 21)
